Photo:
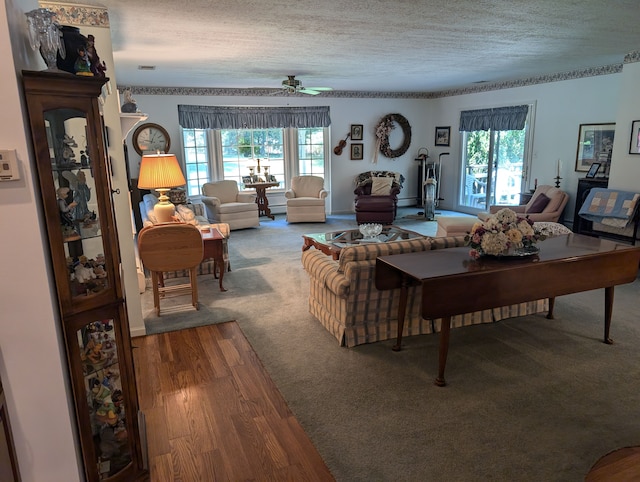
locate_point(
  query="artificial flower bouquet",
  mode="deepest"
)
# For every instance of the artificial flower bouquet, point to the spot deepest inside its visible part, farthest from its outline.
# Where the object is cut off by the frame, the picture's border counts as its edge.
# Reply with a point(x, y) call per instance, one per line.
point(503, 233)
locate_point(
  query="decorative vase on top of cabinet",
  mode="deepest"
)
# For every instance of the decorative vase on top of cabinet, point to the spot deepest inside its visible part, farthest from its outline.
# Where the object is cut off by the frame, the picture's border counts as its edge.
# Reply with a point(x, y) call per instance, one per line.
point(74, 178)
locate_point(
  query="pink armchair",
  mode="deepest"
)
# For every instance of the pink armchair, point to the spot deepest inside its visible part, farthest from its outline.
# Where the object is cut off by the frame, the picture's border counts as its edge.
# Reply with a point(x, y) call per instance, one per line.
point(546, 204)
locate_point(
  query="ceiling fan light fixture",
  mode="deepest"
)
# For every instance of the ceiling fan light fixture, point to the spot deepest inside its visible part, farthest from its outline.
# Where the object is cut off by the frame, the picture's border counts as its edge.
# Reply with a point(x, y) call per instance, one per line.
point(146, 67)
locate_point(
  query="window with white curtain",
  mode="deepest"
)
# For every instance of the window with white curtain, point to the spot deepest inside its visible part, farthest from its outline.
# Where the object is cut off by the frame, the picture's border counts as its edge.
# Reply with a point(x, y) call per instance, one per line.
point(230, 142)
point(235, 153)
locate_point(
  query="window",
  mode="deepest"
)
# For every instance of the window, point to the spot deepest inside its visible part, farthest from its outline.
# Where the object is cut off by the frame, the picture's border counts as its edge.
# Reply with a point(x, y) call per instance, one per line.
point(252, 150)
point(234, 153)
point(311, 152)
point(494, 157)
point(196, 159)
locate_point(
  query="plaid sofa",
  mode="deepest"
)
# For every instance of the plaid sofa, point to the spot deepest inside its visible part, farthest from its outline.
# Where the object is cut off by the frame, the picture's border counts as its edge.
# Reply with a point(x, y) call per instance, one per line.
point(343, 296)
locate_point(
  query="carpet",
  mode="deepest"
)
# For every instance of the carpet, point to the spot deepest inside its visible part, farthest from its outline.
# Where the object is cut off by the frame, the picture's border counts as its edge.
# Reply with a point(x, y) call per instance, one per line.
point(528, 399)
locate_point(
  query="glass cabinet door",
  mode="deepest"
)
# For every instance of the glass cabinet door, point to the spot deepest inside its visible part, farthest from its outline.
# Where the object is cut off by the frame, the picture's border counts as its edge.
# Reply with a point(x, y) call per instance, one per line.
point(74, 183)
point(100, 380)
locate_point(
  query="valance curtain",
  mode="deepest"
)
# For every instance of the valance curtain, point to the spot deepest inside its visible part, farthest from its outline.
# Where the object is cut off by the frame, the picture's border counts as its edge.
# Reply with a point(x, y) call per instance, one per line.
point(499, 119)
point(212, 117)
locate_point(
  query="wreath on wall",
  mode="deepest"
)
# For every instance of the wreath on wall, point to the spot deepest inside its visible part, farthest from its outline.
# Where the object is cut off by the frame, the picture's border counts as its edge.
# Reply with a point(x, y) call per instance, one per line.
point(383, 129)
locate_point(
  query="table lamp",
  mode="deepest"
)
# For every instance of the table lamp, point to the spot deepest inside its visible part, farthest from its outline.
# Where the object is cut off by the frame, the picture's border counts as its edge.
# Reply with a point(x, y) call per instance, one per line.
point(161, 172)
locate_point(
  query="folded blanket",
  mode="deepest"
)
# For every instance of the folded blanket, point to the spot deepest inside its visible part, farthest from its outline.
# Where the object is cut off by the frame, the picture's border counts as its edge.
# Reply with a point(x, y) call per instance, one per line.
point(610, 207)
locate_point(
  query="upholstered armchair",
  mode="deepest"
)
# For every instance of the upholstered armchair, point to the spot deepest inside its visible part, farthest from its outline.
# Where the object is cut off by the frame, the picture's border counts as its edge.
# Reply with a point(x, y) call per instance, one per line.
point(306, 200)
point(224, 203)
point(546, 204)
point(377, 196)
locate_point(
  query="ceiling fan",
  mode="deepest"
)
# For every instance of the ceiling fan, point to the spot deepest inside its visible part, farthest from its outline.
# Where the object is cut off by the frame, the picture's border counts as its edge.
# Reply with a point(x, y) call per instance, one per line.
point(293, 85)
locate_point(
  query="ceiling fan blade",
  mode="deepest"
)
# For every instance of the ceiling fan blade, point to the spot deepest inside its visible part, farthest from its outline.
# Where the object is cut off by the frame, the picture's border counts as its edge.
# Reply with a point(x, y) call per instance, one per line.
point(307, 90)
point(321, 89)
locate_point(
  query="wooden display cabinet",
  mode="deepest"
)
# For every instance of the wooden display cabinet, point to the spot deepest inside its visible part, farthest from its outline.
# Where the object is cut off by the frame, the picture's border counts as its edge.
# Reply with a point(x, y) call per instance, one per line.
point(74, 179)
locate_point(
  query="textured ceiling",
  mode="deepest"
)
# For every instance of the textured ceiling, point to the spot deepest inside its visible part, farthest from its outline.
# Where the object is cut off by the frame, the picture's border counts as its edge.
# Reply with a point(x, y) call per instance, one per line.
point(364, 45)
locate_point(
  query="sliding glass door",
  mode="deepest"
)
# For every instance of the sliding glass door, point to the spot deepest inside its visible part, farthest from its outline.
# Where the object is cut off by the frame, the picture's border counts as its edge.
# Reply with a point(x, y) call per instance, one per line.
point(493, 164)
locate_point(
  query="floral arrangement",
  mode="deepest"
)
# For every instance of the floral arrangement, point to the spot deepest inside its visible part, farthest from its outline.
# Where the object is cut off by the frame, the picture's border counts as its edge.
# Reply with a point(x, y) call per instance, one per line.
point(501, 233)
point(382, 137)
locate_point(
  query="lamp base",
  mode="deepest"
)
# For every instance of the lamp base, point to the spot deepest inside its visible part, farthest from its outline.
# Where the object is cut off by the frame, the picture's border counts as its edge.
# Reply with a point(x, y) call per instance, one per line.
point(163, 209)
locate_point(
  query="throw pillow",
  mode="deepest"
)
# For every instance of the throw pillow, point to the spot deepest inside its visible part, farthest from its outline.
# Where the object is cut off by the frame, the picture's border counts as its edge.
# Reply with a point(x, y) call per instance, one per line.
point(381, 186)
point(539, 204)
point(185, 214)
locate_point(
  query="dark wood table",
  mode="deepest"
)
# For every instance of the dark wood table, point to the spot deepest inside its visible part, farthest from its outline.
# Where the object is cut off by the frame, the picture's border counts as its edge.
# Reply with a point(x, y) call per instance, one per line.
point(261, 197)
point(212, 244)
point(453, 283)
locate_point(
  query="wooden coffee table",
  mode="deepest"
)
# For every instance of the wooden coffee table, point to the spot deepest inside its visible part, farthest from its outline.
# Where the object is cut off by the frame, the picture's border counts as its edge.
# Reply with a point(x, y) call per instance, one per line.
point(453, 283)
point(332, 243)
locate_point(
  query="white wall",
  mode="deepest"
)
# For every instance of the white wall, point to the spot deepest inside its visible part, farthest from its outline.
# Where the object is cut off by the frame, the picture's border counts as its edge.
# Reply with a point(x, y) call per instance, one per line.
point(32, 360)
point(560, 109)
point(344, 112)
point(625, 171)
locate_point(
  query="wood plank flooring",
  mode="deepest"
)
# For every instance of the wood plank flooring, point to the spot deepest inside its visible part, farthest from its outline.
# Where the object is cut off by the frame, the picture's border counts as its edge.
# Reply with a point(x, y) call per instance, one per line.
point(213, 413)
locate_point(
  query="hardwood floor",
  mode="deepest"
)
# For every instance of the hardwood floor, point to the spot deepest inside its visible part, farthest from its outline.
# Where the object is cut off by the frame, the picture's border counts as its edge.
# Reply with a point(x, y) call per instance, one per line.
point(213, 413)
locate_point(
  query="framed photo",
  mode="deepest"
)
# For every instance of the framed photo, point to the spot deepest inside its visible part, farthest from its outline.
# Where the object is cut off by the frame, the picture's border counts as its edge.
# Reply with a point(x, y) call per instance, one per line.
point(593, 170)
point(634, 143)
point(356, 132)
point(595, 143)
point(442, 136)
point(356, 151)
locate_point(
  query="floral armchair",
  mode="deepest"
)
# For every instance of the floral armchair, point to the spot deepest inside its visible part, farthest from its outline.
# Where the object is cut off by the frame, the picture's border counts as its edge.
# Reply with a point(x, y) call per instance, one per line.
point(377, 196)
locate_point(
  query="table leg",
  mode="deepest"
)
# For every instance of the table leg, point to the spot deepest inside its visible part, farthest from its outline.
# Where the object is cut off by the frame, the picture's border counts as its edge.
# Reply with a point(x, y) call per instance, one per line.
point(263, 203)
point(552, 303)
point(445, 329)
point(402, 309)
point(608, 311)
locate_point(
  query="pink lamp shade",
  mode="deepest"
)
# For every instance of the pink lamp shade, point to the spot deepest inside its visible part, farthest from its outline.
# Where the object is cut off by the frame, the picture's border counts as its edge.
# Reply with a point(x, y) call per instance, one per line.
point(161, 172)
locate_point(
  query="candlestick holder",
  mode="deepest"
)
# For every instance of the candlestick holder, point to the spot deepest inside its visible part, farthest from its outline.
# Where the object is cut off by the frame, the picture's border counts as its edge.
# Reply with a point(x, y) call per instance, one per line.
point(557, 178)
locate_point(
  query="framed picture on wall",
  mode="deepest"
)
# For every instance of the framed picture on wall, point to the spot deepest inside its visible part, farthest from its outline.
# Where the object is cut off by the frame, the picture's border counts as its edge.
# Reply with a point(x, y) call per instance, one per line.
point(356, 132)
point(356, 151)
point(634, 143)
point(595, 143)
point(442, 136)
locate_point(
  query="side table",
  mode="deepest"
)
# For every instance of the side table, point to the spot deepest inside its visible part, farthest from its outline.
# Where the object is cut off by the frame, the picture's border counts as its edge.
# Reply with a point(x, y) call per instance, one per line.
point(212, 244)
point(261, 197)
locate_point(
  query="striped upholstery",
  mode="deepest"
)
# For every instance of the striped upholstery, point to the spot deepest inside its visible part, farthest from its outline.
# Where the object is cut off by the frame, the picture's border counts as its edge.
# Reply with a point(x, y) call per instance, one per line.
point(343, 297)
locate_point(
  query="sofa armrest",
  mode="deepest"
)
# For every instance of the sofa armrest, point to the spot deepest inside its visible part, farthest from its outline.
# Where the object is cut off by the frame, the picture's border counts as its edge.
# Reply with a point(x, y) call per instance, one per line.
point(325, 269)
point(323, 193)
point(516, 208)
point(246, 197)
point(290, 194)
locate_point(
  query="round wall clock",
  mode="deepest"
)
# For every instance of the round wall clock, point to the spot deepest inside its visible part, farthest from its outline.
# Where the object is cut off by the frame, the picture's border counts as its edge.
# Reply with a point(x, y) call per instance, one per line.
point(150, 137)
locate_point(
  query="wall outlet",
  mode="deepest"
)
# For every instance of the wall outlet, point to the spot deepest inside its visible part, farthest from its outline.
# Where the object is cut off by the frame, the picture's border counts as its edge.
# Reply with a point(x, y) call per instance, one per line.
point(9, 165)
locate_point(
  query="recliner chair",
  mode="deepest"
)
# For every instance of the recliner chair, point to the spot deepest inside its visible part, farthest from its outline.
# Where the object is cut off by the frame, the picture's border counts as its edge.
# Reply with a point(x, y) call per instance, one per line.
point(306, 200)
point(224, 203)
point(377, 196)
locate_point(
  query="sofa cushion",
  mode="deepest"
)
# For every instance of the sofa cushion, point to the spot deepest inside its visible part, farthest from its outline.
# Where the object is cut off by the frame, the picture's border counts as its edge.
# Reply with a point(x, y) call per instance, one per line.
point(373, 250)
point(539, 203)
point(150, 201)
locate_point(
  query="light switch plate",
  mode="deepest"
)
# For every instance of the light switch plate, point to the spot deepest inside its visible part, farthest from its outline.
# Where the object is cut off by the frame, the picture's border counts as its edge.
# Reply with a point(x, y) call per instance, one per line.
point(9, 165)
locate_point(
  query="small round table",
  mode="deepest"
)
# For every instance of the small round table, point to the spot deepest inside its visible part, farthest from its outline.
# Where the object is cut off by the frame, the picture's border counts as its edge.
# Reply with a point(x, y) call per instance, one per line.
point(261, 198)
